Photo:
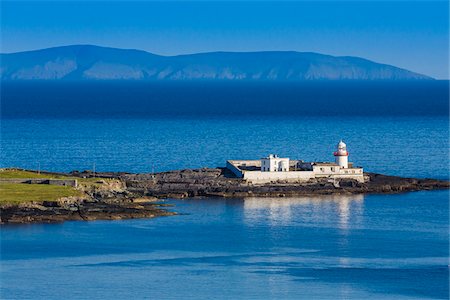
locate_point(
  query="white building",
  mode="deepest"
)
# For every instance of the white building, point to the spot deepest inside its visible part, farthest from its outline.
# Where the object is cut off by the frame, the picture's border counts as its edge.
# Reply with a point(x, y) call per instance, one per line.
point(341, 155)
point(273, 163)
point(276, 169)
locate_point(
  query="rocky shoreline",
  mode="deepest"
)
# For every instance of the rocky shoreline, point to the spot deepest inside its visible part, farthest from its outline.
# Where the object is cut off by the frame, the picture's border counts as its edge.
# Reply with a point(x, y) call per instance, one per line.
point(81, 210)
point(136, 195)
point(219, 182)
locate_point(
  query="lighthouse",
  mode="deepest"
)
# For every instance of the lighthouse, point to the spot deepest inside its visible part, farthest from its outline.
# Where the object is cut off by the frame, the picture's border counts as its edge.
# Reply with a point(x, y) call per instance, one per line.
point(341, 155)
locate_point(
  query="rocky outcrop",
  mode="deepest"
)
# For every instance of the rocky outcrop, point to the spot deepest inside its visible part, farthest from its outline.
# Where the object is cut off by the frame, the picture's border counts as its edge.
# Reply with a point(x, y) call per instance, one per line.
point(127, 196)
point(80, 209)
point(220, 182)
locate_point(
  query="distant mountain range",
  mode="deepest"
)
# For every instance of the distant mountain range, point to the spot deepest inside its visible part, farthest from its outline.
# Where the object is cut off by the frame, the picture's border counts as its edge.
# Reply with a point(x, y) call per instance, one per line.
point(86, 62)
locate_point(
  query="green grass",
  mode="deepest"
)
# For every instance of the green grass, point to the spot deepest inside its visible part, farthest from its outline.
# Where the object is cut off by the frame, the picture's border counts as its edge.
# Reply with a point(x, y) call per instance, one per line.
point(14, 193)
point(12, 173)
point(19, 174)
point(11, 193)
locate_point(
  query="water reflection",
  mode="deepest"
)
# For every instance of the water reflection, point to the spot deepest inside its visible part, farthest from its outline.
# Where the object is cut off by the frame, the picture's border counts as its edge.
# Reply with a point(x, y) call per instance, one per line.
point(331, 210)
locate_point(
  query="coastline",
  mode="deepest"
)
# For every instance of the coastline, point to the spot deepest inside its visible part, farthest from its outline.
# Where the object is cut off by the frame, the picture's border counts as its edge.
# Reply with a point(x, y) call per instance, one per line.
point(115, 196)
point(220, 182)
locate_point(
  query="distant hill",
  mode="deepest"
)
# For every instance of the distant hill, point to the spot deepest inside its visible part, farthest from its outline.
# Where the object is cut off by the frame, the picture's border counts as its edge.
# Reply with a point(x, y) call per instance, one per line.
point(85, 62)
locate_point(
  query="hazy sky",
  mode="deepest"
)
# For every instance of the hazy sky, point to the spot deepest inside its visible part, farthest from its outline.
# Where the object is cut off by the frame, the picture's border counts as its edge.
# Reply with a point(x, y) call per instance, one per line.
point(408, 34)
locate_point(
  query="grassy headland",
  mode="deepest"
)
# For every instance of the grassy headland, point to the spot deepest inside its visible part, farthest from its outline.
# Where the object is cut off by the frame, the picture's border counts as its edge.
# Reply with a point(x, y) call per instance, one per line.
point(32, 197)
point(15, 173)
point(15, 193)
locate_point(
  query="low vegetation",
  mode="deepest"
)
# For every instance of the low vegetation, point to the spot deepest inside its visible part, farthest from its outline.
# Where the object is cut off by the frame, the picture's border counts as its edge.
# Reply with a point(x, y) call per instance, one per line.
point(15, 193)
point(14, 173)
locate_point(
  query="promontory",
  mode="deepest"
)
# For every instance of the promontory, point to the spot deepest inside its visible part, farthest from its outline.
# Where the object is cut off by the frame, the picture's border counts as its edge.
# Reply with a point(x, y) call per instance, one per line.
point(35, 196)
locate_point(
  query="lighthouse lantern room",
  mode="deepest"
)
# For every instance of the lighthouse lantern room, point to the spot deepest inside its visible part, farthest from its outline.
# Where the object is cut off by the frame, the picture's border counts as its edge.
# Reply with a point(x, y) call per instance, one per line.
point(341, 155)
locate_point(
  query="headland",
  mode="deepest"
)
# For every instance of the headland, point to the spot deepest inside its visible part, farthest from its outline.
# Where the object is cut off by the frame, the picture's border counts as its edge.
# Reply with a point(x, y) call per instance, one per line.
point(44, 197)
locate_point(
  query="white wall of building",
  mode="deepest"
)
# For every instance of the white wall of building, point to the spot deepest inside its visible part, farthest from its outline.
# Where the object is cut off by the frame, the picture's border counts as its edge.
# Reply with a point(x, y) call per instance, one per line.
point(273, 163)
point(266, 177)
point(325, 169)
point(341, 155)
point(342, 161)
point(274, 168)
point(258, 177)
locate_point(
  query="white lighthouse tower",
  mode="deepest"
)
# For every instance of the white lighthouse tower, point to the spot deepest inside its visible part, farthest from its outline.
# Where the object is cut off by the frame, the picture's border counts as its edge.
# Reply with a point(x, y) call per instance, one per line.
point(341, 155)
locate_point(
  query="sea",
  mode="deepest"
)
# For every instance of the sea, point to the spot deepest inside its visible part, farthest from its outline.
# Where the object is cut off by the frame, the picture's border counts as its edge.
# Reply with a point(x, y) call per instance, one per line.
point(331, 247)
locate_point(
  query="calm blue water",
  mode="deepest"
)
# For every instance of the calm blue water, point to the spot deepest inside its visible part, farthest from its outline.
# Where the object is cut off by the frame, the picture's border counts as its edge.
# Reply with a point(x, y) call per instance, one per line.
point(406, 146)
point(377, 246)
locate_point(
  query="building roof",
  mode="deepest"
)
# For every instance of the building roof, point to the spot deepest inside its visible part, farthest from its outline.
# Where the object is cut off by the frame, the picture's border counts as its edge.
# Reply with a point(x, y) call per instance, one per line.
point(271, 156)
point(324, 164)
point(341, 144)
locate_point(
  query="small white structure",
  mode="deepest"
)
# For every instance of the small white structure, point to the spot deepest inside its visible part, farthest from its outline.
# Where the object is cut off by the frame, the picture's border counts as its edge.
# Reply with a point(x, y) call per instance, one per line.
point(273, 163)
point(277, 169)
point(341, 155)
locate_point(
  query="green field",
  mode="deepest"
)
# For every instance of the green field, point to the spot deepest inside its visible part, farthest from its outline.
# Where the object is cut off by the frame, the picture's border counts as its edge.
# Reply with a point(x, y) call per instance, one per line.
point(20, 174)
point(14, 193)
point(23, 192)
point(12, 173)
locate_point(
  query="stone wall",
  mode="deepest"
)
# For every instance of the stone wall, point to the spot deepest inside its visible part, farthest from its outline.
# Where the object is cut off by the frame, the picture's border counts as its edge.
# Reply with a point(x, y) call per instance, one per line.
point(258, 177)
point(61, 182)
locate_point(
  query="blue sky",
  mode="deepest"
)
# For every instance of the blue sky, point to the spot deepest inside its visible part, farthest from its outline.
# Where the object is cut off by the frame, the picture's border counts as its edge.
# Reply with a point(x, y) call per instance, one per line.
point(408, 34)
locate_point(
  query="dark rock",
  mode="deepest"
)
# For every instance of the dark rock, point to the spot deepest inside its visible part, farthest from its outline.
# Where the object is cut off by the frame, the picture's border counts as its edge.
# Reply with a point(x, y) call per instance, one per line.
point(118, 204)
point(84, 211)
point(218, 182)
